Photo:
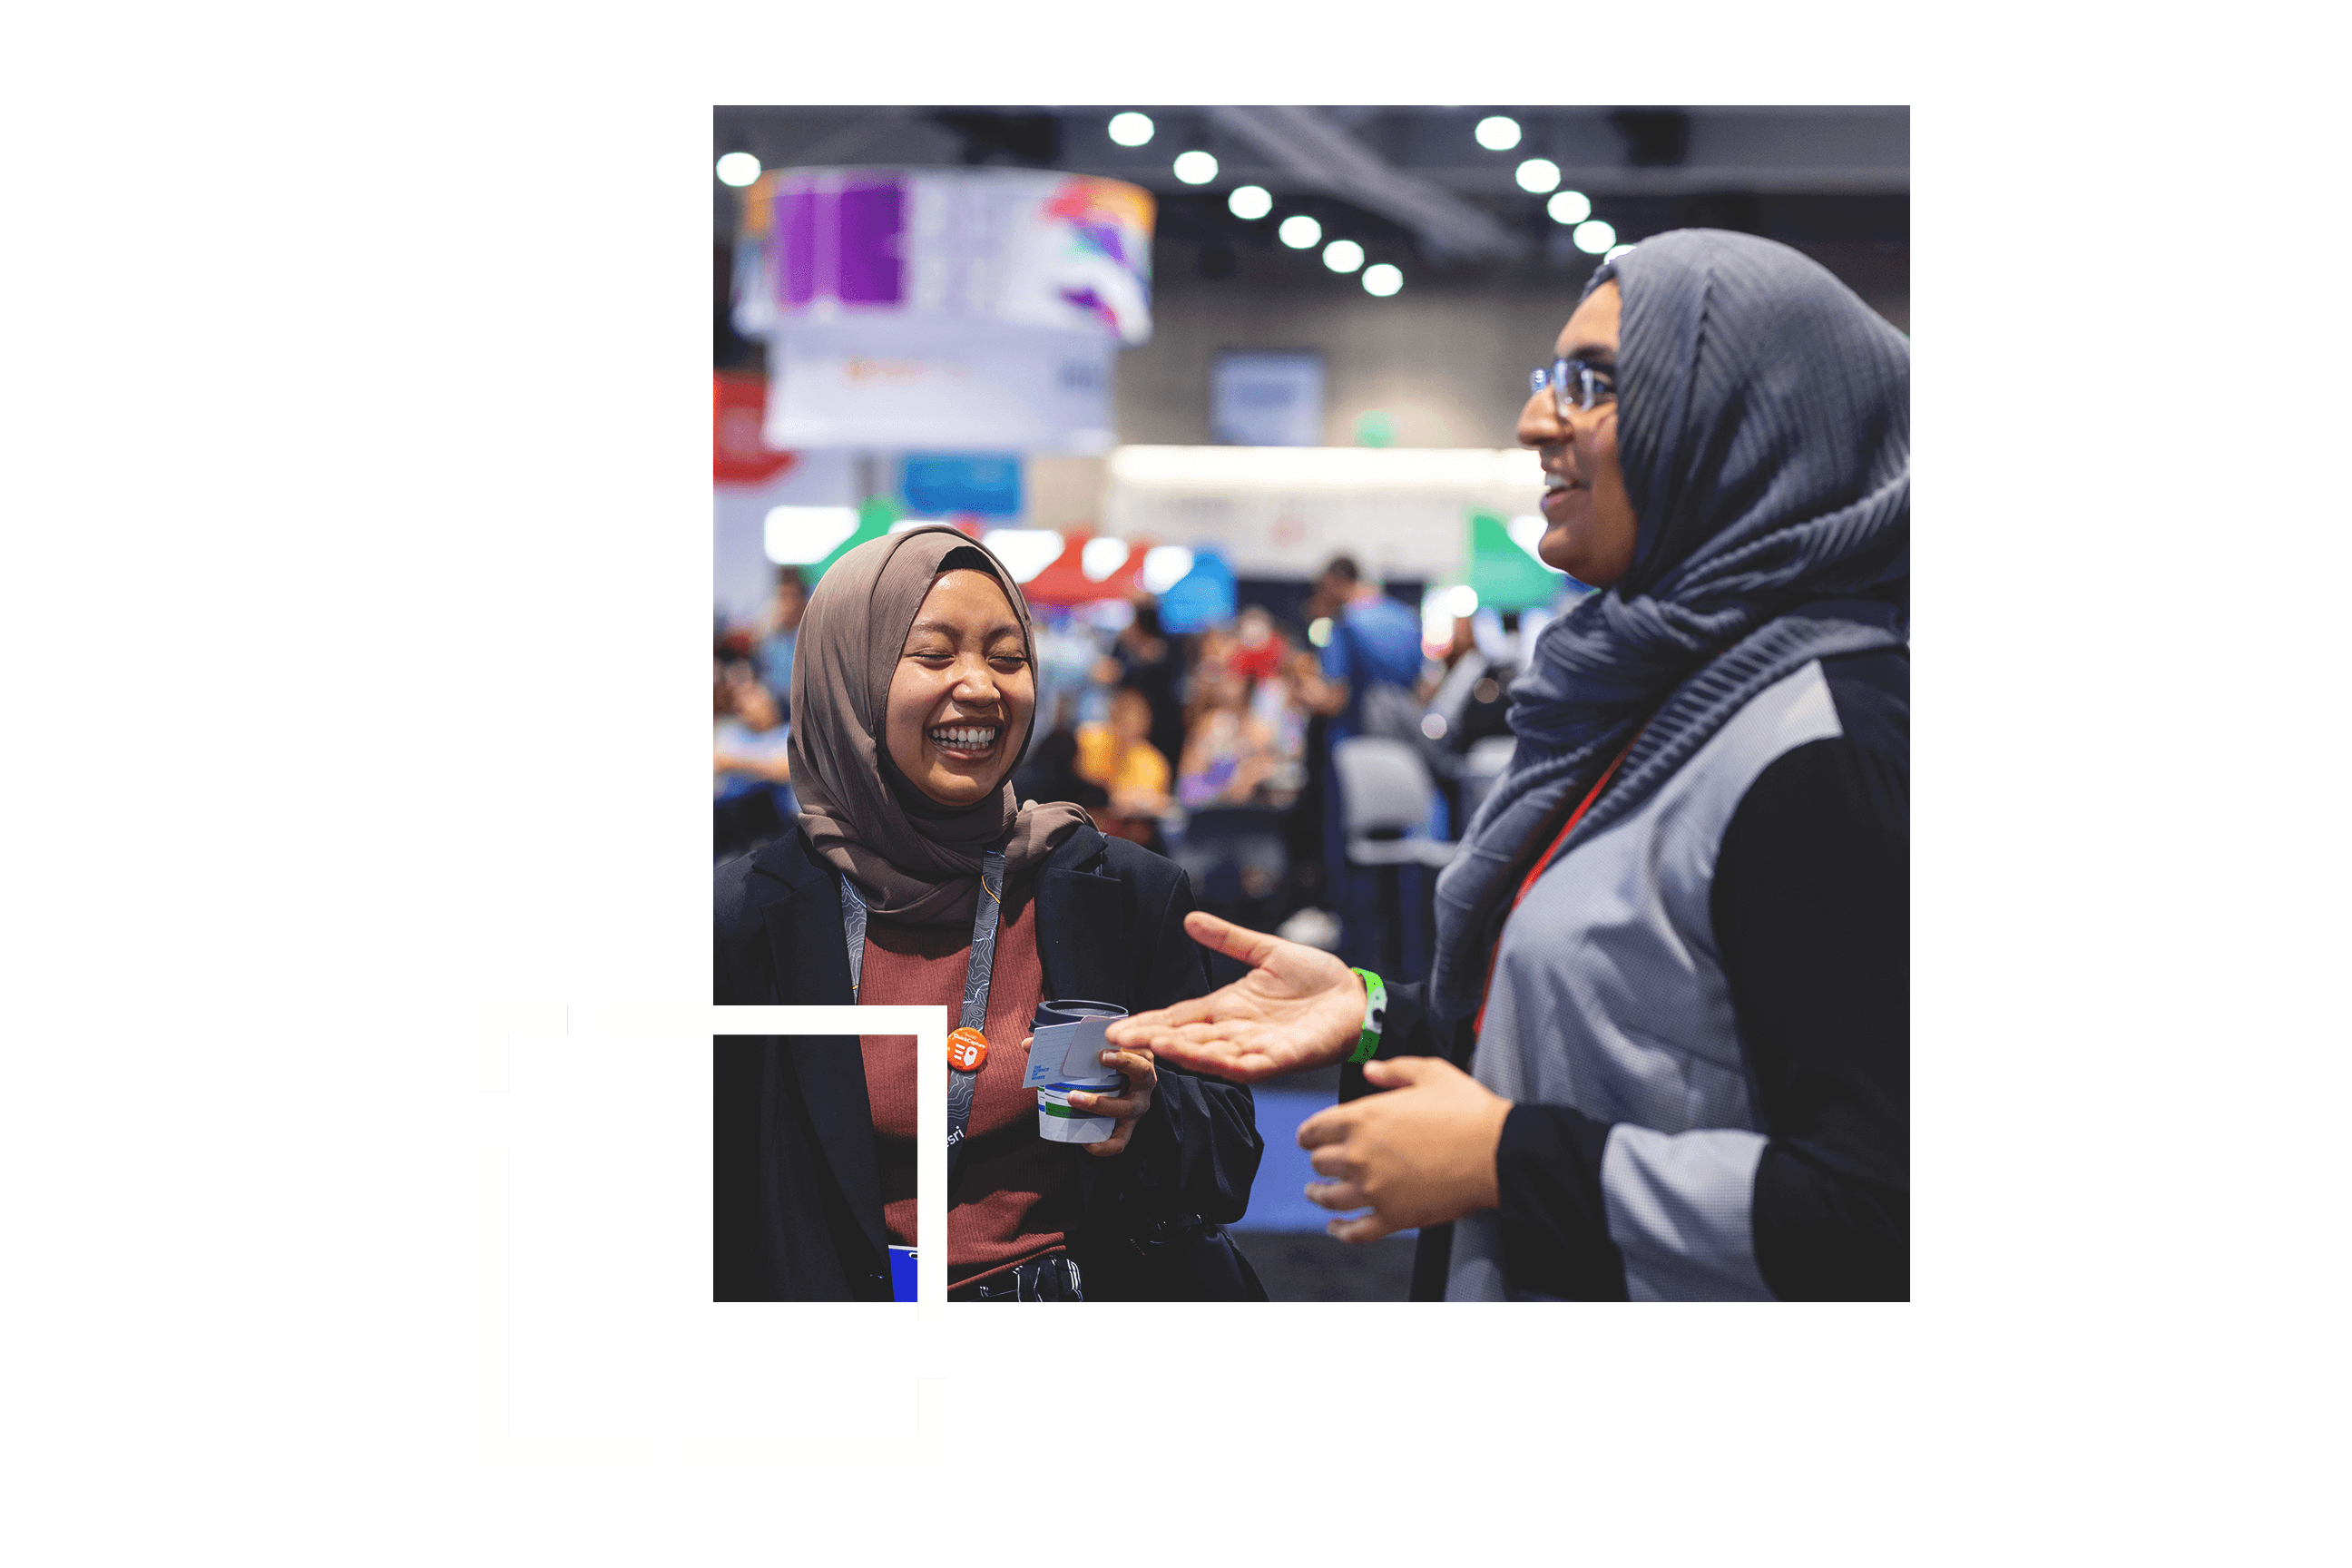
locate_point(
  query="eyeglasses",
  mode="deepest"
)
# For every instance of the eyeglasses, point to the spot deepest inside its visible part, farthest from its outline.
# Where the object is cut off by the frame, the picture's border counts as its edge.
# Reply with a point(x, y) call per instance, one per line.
point(1574, 384)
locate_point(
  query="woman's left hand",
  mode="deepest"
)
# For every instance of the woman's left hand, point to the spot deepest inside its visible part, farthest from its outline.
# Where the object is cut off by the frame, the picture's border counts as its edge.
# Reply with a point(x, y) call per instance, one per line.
point(1422, 1155)
point(1142, 1078)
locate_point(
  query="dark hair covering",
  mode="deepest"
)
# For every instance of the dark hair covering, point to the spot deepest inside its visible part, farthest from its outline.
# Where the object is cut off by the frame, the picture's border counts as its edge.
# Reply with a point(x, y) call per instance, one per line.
point(1764, 428)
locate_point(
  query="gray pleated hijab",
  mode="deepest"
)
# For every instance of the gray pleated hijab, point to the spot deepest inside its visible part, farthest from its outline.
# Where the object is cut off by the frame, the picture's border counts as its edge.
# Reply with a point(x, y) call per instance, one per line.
point(1764, 427)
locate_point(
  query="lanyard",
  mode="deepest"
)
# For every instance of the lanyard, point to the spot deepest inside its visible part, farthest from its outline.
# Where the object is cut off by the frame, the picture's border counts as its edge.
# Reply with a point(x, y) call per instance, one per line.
point(960, 1084)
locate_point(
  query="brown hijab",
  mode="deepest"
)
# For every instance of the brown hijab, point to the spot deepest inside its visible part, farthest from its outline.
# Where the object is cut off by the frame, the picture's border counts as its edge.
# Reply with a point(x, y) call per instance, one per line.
point(920, 867)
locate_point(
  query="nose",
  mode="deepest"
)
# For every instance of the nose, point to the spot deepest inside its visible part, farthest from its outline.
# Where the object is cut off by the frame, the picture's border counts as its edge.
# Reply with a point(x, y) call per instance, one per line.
point(975, 683)
point(1539, 422)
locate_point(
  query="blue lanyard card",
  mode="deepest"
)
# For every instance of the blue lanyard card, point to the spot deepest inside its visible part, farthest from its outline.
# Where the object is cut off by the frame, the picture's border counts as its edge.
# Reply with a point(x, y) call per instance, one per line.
point(902, 1274)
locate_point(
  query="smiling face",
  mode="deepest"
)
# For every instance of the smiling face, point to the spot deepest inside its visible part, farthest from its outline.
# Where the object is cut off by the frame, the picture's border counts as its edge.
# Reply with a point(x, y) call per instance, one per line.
point(962, 692)
point(1589, 518)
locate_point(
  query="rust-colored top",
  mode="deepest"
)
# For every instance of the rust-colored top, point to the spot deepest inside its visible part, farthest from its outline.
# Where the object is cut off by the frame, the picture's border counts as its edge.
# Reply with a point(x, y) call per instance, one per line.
point(1008, 1203)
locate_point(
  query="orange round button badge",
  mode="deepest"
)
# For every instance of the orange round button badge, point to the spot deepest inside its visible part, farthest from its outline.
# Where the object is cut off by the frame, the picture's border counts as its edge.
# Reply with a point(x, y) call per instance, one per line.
point(967, 1049)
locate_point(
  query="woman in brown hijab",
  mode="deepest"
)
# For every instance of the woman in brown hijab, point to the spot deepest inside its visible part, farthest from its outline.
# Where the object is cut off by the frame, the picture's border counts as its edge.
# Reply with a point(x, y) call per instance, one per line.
point(913, 696)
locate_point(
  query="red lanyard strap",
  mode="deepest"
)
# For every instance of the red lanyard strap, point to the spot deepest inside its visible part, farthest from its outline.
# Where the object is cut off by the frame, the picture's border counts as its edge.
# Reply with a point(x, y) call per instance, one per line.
point(1543, 864)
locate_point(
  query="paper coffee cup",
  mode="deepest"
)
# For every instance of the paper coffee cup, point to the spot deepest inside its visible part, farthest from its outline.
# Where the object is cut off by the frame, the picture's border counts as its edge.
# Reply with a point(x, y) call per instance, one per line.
point(1066, 1055)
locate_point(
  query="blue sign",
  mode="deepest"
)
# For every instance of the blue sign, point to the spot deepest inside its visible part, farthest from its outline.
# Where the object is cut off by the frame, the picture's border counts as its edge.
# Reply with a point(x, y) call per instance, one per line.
point(986, 484)
point(1202, 597)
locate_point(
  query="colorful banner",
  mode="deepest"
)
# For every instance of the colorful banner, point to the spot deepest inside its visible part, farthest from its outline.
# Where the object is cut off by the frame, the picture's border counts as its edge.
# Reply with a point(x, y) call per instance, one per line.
point(1025, 247)
point(958, 308)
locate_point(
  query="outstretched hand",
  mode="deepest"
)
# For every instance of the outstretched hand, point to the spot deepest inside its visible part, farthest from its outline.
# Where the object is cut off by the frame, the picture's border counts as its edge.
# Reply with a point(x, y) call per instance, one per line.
point(1299, 1007)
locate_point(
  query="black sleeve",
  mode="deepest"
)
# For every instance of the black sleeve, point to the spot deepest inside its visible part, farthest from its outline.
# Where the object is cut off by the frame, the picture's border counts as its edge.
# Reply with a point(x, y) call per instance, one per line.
point(1812, 913)
point(740, 972)
point(1551, 1226)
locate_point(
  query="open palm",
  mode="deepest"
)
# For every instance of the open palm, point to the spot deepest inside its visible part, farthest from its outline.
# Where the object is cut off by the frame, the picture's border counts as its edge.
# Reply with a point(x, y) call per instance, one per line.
point(1299, 1007)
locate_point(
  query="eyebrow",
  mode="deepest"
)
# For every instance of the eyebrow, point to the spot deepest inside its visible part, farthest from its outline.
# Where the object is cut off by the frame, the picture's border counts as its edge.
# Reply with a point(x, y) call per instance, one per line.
point(1593, 354)
point(1006, 628)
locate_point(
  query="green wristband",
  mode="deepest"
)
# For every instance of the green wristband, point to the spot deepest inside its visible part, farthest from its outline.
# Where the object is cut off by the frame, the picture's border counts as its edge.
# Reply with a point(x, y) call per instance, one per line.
point(1376, 1007)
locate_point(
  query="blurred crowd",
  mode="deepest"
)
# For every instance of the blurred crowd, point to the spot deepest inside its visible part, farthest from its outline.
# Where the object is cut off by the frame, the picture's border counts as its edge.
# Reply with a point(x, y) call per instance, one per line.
point(1214, 747)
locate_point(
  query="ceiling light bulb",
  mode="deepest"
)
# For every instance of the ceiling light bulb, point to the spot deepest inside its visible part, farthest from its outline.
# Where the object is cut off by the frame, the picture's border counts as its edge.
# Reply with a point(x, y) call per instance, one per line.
point(1343, 255)
point(1131, 130)
point(1382, 279)
point(1570, 207)
point(1298, 231)
point(1539, 174)
point(1594, 238)
point(1249, 202)
point(738, 169)
point(1498, 133)
point(1614, 251)
point(1195, 168)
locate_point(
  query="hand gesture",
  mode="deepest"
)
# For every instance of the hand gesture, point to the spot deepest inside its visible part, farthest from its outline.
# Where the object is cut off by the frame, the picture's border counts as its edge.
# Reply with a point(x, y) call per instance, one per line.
point(1298, 1007)
point(1423, 1154)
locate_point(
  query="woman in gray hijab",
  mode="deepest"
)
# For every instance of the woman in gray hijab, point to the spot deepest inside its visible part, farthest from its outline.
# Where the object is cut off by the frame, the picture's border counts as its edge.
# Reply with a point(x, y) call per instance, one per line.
point(1673, 948)
point(915, 876)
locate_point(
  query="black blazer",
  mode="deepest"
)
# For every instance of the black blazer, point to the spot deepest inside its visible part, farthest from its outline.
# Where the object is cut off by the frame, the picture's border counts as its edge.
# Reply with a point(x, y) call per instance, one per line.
point(799, 1209)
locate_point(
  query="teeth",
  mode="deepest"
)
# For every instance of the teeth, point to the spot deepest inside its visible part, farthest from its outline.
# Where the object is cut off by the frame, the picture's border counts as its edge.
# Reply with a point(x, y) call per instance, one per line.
point(972, 737)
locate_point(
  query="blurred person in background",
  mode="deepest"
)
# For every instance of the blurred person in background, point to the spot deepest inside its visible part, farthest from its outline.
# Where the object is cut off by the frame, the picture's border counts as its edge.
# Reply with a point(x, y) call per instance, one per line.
point(1465, 706)
point(1674, 956)
point(1141, 658)
point(1280, 704)
point(1258, 645)
point(1067, 652)
point(1375, 641)
point(916, 877)
point(1118, 755)
point(1447, 696)
point(1463, 665)
point(1211, 644)
point(1051, 774)
point(750, 739)
point(779, 624)
point(1229, 753)
point(1371, 672)
point(751, 772)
